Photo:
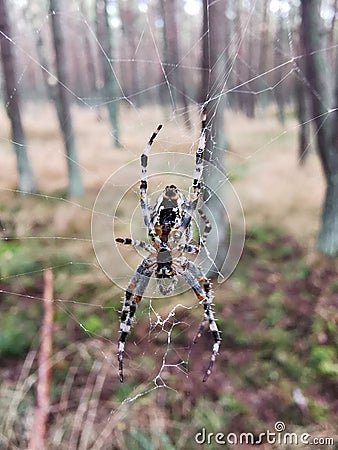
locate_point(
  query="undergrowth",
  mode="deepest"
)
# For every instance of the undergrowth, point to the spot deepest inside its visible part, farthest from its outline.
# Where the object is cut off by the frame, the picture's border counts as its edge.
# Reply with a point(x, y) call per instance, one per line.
point(277, 314)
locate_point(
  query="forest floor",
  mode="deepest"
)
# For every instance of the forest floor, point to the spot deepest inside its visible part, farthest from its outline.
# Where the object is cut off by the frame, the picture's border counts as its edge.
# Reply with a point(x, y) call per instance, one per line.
point(262, 161)
point(277, 312)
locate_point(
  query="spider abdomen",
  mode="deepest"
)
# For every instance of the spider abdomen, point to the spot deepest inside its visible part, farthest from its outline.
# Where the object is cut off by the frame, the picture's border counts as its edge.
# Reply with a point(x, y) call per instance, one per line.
point(164, 261)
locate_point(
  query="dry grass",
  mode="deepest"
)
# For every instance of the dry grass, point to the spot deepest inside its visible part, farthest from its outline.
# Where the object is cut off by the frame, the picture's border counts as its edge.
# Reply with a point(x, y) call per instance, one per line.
point(274, 188)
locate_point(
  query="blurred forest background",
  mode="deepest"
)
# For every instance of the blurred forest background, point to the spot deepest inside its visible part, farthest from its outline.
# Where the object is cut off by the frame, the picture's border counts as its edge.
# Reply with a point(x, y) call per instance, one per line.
point(84, 83)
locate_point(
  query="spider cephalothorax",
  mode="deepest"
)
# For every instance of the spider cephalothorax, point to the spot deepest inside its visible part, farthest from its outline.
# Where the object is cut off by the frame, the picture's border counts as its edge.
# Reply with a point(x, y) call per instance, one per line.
point(168, 223)
point(168, 211)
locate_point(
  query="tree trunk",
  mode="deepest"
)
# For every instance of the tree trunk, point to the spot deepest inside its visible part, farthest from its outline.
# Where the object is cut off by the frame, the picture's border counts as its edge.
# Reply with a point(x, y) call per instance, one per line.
point(103, 32)
point(239, 66)
point(213, 46)
point(250, 98)
point(325, 121)
point(75, 187)
point(128, 15)
point(302, 109)
point(280, 72)
point(331, 42)
point(90, 60)
point(204, 90)
point(263, 55)
point(50, 83)
point(171, 57)
point(328, 237)
point(26, 183)
point(304, 135)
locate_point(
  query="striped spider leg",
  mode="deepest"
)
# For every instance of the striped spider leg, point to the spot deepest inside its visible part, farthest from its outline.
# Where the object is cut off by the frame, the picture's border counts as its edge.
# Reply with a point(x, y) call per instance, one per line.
point(195, 189)
point(133, 295)
point(202, 288)
point(140, 280)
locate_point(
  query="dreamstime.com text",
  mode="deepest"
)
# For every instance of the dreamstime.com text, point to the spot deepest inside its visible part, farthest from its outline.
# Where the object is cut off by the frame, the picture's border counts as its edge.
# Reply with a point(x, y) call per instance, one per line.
point(279, 436)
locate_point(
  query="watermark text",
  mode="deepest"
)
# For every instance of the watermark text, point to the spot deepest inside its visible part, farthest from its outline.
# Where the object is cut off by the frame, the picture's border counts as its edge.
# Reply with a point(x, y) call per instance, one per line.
point(279, 436)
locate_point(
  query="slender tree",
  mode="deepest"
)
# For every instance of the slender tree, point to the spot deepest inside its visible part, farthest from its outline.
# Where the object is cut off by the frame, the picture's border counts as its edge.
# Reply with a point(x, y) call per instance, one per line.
point(279, 89)
point(213, 63)
point(90, 59)
point(129, 19)
point(103, 32)
point(263, 53)
point(325, 113)
point(26, 183)
point(239, 63)
point(205, 87)
point(75, 186)
point(250, 98)
point(302, 100)
point(50, 83)
point(172, 67)
point(332, 30)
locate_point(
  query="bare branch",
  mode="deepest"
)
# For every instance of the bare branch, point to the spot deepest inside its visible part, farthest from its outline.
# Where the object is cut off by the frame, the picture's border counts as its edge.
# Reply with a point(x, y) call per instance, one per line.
point(39, 428)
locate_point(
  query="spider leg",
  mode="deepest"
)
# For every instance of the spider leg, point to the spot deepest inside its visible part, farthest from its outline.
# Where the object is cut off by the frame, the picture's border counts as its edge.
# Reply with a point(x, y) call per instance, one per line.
point(194, 249)
point(207, 227)
point(189, 248)
point(202, 289)
point(136, 243)
point(133, 295)
point(206, 286)
point(144, 186)
point(195, 188)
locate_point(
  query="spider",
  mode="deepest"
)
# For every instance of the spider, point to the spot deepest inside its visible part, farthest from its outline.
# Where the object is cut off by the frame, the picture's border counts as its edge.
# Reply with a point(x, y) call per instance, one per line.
point(168, 223)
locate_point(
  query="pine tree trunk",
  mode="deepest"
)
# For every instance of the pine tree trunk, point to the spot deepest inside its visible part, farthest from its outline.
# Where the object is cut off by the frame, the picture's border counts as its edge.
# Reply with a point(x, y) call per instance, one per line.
point(128, 15)
point(51, 85)
point(328, 236)
point(215, 152)
point(263, 55)
point(204, 90)
point(26, 183)
point(90, 60)
point(171, 57)
point(103, 32)
point(325, 121)
point(250, 98)
point(302, 109)
point(75, 187)
point(280, 72)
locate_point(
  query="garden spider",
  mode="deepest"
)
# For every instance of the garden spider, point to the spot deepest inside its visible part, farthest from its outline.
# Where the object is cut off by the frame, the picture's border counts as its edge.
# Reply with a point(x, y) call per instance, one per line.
point(168, 222)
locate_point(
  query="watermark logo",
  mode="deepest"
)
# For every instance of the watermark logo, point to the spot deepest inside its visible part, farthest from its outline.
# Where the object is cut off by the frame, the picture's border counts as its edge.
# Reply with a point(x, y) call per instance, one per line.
point(279, 436)
point(280, 426)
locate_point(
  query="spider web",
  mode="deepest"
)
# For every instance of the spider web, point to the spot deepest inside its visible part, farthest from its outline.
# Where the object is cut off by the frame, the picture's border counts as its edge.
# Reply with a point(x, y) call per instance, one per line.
point(170, 321)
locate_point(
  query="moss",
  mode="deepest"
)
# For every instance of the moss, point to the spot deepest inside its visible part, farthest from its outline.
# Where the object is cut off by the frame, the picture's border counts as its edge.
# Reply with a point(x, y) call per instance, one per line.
point(17, 259)
point(92, 324)
point(334, 287)
point(318, 411)
point(324, 359)
point(233, 332)
point(17, 332)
